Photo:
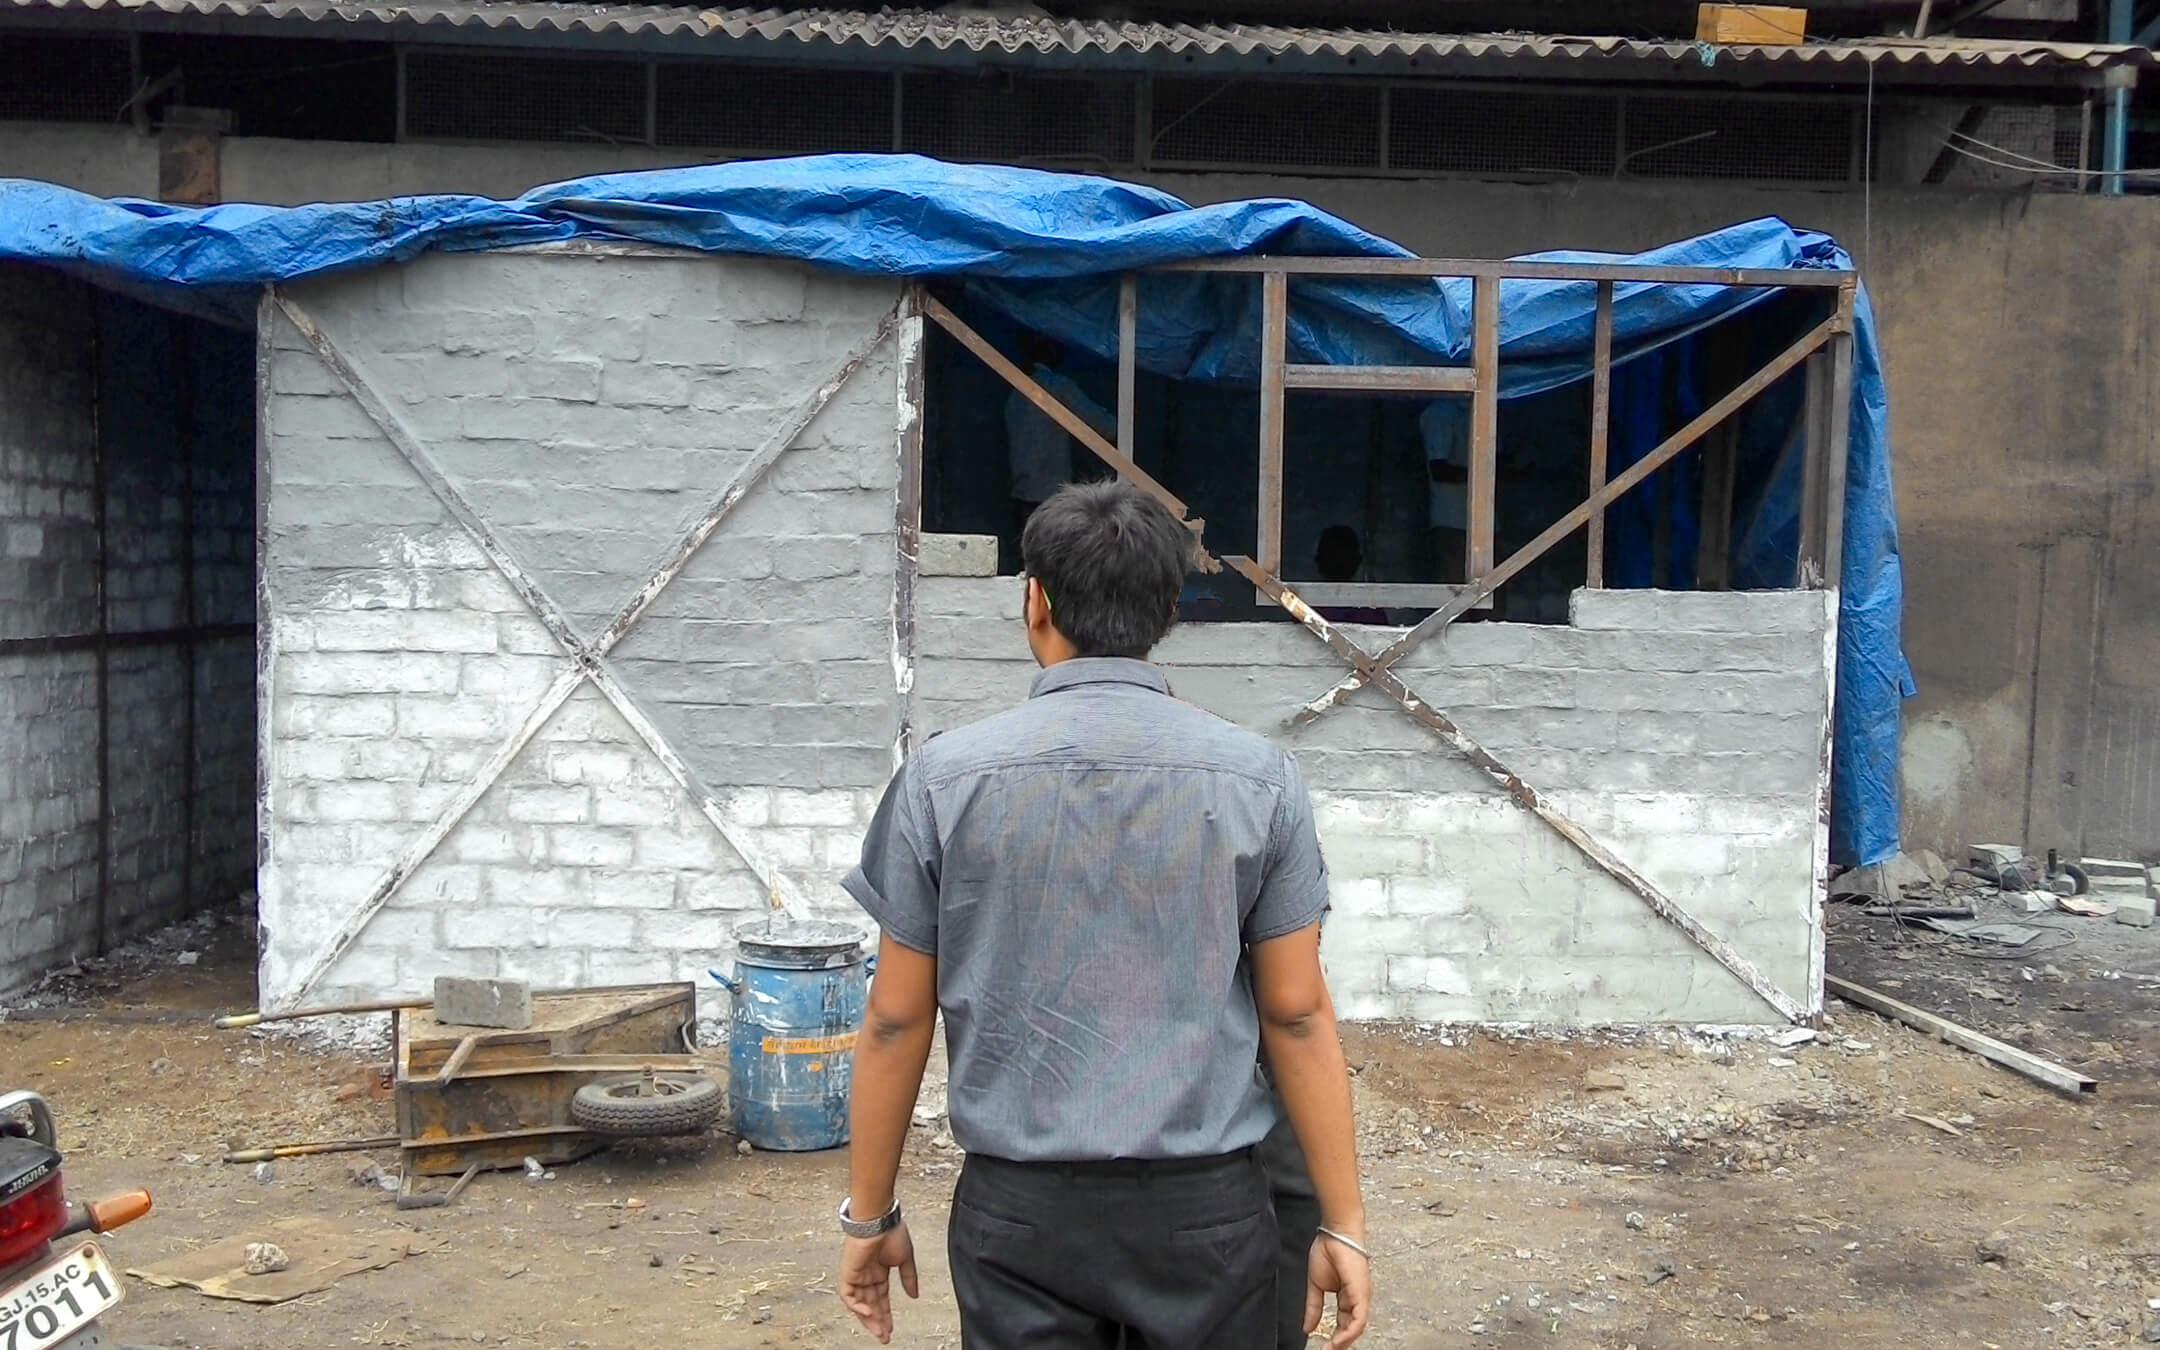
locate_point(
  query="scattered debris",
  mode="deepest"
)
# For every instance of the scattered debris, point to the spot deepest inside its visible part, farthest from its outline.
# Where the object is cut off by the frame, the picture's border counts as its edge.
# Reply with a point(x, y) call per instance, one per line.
point(2007, 934)
point(188, 958)
point(266, 1172)
point(1659, 1275)
point(1934, 1123)
point(535, 1172)
point(1994, 1249)
point(2085, 907)
point(744, 1147)
point(265, 1258)
point(317, 1254)
point(1604, 1080)
point(1793, 1036)
point(1635, 1221)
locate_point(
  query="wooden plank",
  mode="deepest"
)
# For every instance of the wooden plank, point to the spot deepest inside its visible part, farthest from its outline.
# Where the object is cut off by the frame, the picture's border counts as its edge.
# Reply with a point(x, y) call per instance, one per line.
point(1814, 453)
point(1381, 379)
point(907, 519)
point(1128, 361)
point(1479, 588)
point(1751, 25)
point(1525, 796)
point(1837, 444)
point(1074, 425)
point(1600, 426)
point(1520, 270)
point(1274, 340)
point(2040, 1070)
point(1484, 423)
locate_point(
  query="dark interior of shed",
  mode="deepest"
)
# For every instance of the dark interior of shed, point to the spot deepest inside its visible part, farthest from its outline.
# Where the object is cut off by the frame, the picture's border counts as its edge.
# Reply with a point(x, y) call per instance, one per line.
point(1375, 466)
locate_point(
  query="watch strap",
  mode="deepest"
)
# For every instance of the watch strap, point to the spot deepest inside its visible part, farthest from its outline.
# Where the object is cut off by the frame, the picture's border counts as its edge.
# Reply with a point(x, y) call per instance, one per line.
point(869, 1228)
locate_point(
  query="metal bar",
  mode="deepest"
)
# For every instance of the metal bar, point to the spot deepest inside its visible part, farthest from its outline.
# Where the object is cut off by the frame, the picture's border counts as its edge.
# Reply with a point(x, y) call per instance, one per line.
point(1274, 345)
point(1382, 379)
point(156, 637)
point(1074, 425)
point(1382, 594)
point(184, 435)
point(687, 544)
point(1814, 433)
point(101, 488)
point(275, 1151)
point(1128, 362)
point(1484, 423)
point(2115, 148)
point(1600, 425)
point(1525, 796)
point(1519, 270)
point(1480, 587)
point(907, 514)
point(1836, 446)
point(1987, 1047)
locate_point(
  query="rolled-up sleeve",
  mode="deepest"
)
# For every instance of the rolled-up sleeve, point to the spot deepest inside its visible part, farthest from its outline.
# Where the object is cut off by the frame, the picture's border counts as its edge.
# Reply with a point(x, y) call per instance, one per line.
point(896, 882)
point(1294, 886)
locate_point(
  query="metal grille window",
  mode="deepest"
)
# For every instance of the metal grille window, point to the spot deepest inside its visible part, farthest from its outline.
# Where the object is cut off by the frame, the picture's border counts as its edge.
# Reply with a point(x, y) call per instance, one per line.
point(1265, 123)
point(453, 95)
point(1708, 137)
point(776, 110)
point(1501, 131)
point(49, 78)
point(1007, 115)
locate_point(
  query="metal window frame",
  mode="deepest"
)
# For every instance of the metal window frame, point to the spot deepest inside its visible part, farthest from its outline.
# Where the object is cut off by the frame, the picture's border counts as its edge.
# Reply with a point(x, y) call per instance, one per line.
point(1824, 352)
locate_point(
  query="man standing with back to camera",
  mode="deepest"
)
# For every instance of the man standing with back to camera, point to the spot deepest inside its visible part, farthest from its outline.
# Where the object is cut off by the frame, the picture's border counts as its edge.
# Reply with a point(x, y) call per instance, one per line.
point(1115, 899)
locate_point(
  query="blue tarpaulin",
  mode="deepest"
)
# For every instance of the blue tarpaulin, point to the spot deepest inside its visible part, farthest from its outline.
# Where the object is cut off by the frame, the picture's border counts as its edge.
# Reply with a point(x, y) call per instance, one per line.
point(1045, 249)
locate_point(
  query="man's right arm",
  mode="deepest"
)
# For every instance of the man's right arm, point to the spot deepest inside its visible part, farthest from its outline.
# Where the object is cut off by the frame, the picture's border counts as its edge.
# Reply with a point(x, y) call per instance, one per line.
point(1297, 1031)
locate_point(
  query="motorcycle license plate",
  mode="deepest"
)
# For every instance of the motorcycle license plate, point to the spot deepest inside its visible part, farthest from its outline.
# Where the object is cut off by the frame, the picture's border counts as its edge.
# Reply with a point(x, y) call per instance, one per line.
point(58, 1301)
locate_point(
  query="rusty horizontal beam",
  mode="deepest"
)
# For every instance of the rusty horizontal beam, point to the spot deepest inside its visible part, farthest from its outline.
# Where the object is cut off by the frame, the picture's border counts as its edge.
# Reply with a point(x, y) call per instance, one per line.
point(1483, 587)
point(1381, 379)
point(1621, 273)
point(1404, 595)
point(90, 642)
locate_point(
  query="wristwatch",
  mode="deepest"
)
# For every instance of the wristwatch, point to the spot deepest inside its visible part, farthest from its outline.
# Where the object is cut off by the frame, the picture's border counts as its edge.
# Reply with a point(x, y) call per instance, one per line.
point(869, 1228)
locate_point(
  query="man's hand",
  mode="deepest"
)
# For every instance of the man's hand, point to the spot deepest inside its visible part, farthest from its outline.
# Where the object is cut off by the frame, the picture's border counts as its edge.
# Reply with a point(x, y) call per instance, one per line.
point(866, 1266)
point(1335, 1269)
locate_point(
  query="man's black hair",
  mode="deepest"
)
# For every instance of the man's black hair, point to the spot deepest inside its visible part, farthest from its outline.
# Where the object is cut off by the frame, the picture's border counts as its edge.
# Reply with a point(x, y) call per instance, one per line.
point(1111, 559)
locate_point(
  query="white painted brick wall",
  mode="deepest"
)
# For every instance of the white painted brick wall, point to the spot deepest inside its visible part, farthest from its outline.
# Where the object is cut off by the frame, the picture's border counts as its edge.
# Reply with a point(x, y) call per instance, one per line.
point(591, 408)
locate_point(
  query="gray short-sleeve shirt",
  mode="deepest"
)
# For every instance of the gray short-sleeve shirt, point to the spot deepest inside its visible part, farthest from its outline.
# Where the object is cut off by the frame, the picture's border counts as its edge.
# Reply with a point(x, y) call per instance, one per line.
point(1089, 869)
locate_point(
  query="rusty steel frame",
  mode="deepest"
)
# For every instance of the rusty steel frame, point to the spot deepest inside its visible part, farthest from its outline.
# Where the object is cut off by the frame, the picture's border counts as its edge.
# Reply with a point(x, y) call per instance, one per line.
point(1828, 401)
point(586, 660)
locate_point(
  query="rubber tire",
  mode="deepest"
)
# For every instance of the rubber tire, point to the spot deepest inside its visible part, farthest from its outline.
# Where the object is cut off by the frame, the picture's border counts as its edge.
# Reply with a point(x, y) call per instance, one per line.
point(692, 1109)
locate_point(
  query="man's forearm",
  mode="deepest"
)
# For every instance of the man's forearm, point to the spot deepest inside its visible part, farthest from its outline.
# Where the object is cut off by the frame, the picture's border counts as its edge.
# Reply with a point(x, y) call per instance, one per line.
point(1306, 1059)
point(889, 1065)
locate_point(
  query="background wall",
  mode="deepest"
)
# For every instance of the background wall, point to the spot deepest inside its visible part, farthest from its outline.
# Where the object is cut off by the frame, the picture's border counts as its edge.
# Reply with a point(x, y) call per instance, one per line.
point(103, 395)
point(591, 409)
point(1681, 729)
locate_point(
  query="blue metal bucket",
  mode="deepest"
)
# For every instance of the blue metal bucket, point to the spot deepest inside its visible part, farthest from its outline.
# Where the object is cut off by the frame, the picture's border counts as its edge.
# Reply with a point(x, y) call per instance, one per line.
point(798, 992)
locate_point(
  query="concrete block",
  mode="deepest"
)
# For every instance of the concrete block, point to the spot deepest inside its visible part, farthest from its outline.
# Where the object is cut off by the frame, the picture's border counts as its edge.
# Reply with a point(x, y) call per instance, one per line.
point(1992, 858)
point(2137, 911)
point(2113, 868)
point(958, 555)
point(483, 1003)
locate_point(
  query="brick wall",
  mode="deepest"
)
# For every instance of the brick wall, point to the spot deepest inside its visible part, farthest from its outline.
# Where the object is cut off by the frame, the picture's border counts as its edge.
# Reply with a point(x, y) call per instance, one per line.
point(160, 408)
point(1682, 730)
point(590, 408)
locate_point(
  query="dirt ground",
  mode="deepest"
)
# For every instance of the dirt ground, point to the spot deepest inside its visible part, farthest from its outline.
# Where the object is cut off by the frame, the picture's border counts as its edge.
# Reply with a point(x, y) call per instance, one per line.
point(1652, 1192)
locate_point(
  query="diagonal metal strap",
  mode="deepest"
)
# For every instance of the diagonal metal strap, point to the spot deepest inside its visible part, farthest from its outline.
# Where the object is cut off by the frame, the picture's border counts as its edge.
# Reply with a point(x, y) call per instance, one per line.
point(1478, 591)
point(587, 660)
point(1369, 667)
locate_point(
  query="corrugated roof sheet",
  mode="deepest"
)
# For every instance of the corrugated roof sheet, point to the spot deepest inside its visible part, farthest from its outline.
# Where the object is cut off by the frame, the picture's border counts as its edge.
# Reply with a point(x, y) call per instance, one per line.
point(991, 34)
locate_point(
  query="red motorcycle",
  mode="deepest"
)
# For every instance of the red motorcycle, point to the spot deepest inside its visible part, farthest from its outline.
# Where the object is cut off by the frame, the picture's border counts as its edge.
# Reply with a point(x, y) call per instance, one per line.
point(50, 1302)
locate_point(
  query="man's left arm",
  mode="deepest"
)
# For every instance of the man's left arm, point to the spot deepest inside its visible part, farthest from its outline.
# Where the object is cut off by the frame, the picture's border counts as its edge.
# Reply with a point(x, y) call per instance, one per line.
point(890, 1055)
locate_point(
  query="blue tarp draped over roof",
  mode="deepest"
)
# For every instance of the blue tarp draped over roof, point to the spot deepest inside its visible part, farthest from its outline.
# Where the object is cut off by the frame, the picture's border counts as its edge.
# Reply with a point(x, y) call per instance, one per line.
point(1044, 248)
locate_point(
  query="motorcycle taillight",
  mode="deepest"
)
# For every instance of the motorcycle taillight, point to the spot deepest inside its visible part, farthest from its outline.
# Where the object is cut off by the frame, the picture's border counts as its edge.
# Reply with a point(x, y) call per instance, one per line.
point(31, 1218)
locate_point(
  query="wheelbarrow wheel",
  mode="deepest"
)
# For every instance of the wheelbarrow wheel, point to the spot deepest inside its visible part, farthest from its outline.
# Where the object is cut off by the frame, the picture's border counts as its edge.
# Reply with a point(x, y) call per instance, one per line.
point(656, 1104)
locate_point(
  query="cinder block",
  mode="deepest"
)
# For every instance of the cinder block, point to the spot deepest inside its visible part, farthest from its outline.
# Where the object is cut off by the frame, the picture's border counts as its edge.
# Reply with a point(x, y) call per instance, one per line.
point(483, 1003)
point(958, 555)
point(2113, 868)
point(2136, 910)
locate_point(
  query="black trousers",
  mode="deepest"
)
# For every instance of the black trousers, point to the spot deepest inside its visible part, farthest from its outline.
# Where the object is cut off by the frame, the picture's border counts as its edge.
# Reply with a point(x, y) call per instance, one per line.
point(1297, 1221)
point(1093, 1256)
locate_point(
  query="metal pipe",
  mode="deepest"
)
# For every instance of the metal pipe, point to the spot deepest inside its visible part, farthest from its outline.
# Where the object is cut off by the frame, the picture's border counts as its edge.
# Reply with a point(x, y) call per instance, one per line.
point(2116, 155)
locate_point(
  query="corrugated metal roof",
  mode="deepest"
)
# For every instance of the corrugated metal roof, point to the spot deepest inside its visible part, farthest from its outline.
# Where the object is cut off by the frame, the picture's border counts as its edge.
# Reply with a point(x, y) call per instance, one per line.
point(989, 34)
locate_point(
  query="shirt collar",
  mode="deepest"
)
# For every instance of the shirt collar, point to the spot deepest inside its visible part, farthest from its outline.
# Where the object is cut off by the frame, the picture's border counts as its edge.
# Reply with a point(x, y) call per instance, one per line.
point(1099, 670)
